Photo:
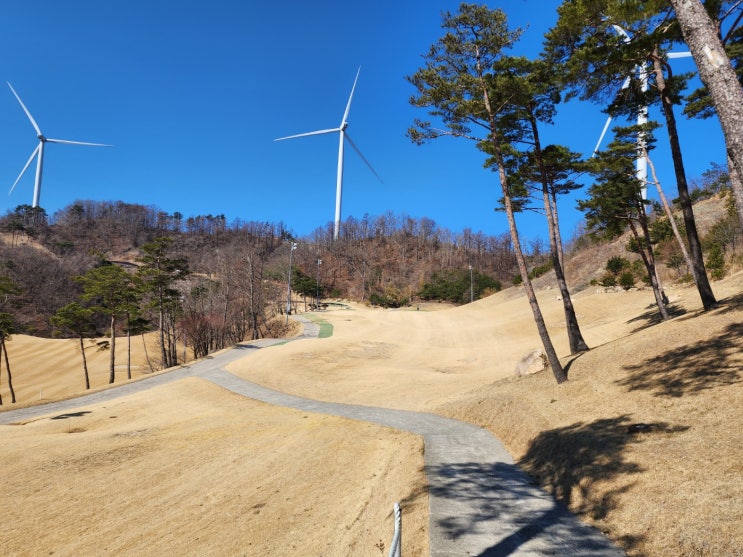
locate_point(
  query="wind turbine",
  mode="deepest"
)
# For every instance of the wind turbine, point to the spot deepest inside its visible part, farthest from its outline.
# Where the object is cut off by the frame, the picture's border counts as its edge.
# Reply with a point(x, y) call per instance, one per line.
point(341, 129)
point(38, 152)
point(641, 163)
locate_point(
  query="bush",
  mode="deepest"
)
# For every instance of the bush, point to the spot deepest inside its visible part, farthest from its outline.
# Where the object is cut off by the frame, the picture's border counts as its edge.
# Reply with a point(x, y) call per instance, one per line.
point(539, 270)
point(615, 265)
point(392, 298)
point(716, 261)
point(608, 279)
point(627, 280)
point(454, 286)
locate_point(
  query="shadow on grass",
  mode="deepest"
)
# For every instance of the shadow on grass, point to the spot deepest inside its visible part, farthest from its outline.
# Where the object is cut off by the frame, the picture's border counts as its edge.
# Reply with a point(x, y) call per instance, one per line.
point(731, 303)
point(703, 365)
point(71, 415)
point(505, 503)
point(652, 316)
point(573, 461)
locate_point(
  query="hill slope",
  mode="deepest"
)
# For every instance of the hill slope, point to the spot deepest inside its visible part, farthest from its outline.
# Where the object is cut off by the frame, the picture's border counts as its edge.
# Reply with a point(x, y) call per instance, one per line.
point(644, 440)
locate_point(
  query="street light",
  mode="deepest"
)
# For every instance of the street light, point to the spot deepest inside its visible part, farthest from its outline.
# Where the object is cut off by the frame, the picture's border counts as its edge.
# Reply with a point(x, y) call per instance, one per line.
point(289, 282)
point(317, 285)
point(472, 292)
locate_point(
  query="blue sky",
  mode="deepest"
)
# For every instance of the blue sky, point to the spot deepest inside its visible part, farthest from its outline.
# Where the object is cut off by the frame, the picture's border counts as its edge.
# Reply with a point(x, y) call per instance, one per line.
point(191, 95)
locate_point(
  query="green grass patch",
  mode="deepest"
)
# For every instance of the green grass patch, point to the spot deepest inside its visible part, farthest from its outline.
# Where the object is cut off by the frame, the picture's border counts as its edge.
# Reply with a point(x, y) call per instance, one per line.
point(326, 329)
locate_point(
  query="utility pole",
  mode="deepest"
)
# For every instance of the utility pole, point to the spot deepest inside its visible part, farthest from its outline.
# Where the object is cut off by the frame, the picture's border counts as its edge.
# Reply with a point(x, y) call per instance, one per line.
point(289, 283)
point(472, 291)
point(317, 285)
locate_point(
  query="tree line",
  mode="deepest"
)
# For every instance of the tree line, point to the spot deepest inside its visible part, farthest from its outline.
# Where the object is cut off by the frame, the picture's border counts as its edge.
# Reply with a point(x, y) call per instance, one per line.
point(119, 270)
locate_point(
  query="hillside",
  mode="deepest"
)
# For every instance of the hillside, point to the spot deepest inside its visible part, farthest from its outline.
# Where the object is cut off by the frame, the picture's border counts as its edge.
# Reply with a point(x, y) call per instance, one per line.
point(583, 440)
point(642, 441)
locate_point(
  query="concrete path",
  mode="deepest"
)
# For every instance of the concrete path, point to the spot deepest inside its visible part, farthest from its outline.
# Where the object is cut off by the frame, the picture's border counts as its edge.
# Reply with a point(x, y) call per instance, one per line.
point(480, 503)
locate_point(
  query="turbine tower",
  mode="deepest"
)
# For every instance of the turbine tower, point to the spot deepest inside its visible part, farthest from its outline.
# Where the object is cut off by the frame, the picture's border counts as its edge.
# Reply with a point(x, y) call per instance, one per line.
point(341, 129)
point(641, 163)
point(38, 152)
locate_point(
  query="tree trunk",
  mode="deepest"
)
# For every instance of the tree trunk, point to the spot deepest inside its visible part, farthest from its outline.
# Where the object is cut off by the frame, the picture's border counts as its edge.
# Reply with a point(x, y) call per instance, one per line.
point(737, 187)
point(161, 318)
point(128, 348)
point(669, 213)
point(112, 364)
point(549, 349)
point(7, 368)
point(695, 246)
point(558, 236)
point(146, 354)
point(575, 337)
point(650, 266)
point(718, 75)
point(85, 363)
point(1, 369)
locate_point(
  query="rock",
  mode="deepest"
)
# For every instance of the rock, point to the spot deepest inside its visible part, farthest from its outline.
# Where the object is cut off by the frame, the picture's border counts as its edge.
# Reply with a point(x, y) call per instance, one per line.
point(534, 362)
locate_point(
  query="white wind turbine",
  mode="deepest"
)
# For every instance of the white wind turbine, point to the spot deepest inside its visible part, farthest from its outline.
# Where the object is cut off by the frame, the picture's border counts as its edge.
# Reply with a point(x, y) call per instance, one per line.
point(38, 152)
point(642, 114)
point(343, 136)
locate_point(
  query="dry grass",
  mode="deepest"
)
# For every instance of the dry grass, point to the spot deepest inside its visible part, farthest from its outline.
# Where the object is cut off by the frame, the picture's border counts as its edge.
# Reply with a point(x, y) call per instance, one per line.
point(643, 441)
point(214, 474)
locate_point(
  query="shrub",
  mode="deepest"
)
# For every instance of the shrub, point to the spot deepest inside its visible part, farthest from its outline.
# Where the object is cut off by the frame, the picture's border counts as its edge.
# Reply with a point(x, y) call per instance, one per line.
point(716, 261)
point(608, 279)
point(615, 265)
point(392, 298)
point(627, 280)
point(539, 270)
point(454, 286)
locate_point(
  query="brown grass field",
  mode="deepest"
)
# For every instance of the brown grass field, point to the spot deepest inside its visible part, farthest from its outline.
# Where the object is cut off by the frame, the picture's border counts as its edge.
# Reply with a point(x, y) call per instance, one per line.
point(644, 440)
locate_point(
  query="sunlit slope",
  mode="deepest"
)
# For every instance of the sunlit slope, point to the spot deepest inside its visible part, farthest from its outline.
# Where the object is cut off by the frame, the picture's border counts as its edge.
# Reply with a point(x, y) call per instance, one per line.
point(415, 359)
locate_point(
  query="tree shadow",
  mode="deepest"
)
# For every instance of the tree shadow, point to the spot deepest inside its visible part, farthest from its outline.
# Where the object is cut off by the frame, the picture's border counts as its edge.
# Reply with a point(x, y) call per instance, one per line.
point(506, 504)
point(731, 303)
point(572, 461)
point(652, 316)
point(704, 365)
point(569, 364)
point(71, 415)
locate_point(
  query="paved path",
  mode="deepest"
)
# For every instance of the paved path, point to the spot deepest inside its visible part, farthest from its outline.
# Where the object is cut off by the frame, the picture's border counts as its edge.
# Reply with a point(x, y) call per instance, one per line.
point(480, 503)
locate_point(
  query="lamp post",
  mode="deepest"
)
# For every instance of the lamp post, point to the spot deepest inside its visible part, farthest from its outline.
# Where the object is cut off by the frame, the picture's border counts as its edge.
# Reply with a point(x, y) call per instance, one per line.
point(317, 285)
point(289, 284)
point(472, 292)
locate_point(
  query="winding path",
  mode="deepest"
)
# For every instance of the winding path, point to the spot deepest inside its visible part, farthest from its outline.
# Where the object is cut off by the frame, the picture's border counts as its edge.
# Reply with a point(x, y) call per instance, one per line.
point(480, 503)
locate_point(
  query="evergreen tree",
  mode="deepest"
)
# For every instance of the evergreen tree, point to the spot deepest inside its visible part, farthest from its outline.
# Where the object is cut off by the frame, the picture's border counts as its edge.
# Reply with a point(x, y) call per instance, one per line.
point(112, 292)
point(600, 45)
point(158, 274)
point(457, 86)
point(77, 320)
point(616, 202)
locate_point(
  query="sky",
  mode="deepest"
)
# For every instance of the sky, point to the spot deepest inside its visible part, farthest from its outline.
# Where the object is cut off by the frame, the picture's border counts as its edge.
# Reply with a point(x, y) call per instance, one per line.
point(191, 95)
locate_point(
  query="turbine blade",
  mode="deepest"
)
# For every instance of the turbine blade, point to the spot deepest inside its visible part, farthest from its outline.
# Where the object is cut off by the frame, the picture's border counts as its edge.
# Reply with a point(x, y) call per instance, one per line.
point(69, 142)
point(363, 158)
point(318, 132)
point(350, 97)
point(28, 163)
point(601, 138)
point(23, 106)
point(671, 55)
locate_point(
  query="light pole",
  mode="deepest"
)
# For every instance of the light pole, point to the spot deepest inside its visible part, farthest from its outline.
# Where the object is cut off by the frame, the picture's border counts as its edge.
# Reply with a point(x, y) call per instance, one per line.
point(289, 284)
point(472, 292)
point(317, 285)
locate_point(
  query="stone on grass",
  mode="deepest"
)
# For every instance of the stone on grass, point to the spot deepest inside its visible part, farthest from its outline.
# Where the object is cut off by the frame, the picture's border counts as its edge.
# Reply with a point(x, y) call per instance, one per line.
point(534, 362)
